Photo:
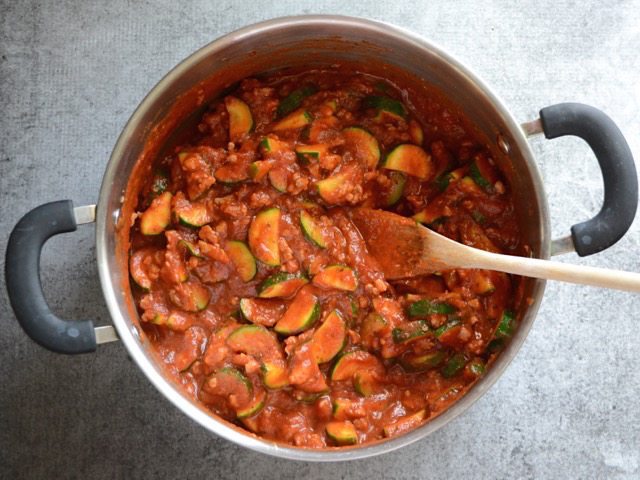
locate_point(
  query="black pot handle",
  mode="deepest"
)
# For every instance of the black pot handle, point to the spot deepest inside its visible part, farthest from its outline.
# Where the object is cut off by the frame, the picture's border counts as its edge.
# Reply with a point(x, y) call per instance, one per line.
point(22, 275)
point(618, 172)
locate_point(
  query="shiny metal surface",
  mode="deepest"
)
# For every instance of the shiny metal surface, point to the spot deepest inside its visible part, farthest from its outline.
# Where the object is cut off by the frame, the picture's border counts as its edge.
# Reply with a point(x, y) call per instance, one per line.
point(85, 214)
point(298, 37)
point(106, 334)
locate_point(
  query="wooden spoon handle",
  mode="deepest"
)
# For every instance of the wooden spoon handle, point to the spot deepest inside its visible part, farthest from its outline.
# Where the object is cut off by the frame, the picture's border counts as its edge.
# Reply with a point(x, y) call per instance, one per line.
point(533, 267)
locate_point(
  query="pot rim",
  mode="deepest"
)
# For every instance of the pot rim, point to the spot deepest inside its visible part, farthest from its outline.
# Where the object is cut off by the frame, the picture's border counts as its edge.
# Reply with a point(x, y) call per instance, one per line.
point(130, 336)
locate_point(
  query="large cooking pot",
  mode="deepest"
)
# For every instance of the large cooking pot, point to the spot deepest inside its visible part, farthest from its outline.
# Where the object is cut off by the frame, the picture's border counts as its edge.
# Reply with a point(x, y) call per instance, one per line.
point(291, 42)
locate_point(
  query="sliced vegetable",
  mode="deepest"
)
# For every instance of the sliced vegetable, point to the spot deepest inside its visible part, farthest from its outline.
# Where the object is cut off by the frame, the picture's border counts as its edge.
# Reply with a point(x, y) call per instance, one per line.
point(430, 215)
point(281, 284)
point(279, 178)
point(191, 296)
point(331, 188)
point(298, 119)
point(411, 332)
point(363, 145)
point(255, 340)
point(191, 248)
point(231, 173)
point(451, 323)
point(366, 384)
point(370, 327)
point(507, 325)
point(157, 217)
point(231, 383)
point(302, 313)
point(340, 408)
point(312, 229)
point(293, 101)
point(418, 363)
point(415, 130)
point(476, 368)
point(482, 284)
point(259, 169)
point(261, 311)
point(385, 104)
point(192, 215)
point(310, 153)
point(454, 365)
point(404, 424)
point(138, 264)
point(240, 118)
point(330, 338)
point(424, 308)
point(256, 404)
point(342, 433)
point(339, 277)
point(351, 362)
point(264, 233)
point(271, 144)
point(444, 180)
point(160, 182)
point(483, 173)
point(241, 257)
point(398, 181)
point(274, 375)
point(411, 160)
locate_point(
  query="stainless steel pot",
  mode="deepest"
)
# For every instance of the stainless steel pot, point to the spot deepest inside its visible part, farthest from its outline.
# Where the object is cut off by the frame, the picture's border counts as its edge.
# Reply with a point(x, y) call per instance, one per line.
point(308, 41)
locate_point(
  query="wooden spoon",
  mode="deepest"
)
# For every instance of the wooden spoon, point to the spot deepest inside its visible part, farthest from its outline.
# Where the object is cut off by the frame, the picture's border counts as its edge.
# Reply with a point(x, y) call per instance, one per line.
point(403, 248)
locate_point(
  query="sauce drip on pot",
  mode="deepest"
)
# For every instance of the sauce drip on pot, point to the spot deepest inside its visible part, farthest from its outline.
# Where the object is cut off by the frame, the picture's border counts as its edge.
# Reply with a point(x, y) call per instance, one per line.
point(258, 292)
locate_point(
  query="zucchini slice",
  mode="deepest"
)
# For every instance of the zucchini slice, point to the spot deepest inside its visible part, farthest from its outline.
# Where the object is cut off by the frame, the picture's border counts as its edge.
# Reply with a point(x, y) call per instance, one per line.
point(415, 131)
point(362, 145)
point(454, 365)
point(330, 338)
point(271, 144)
point(423, 308)
point(339, 277)
point(293, 101)
point(190, 248)
point(340, 408)
point(279, 178)
point(240, 118)
point(259, 169)
point(274, 375)
point(483, 173)
point(256, 404)
point(331, 189)
point(157, 217)
point(194, 215)
point(281, 284)
point(255, 340)
point(302, 313)
point(241, 257)
point(229, 382)
point(398, 181)
point(404, 424)
point(192, 296)
point(430, 215)
point(388, 105)
point(312, 229)
point(448, 328)
point(310, 153)
point(231, 173)
point(351, 362)
point(137, 267)
point(342, 433)
point(261, 311)
point(481, 283)
point(411, 332)
point(410, 159)
point(507, 325)
point(365, 384)
point(421, 362)
point(372, 324)
point(264, 233)
point(476, 368)
point(297, 119)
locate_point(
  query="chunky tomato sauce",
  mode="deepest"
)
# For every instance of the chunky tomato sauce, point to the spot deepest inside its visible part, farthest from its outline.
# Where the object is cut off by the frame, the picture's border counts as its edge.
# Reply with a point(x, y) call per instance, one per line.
point(257, 290)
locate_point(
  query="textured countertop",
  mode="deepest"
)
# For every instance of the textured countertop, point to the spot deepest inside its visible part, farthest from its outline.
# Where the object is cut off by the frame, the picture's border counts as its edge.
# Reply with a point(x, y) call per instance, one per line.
point(71, 73)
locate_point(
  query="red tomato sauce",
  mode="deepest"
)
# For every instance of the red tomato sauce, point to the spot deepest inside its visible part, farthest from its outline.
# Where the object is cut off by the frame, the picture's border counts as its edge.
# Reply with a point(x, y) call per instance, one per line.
point(257, 290)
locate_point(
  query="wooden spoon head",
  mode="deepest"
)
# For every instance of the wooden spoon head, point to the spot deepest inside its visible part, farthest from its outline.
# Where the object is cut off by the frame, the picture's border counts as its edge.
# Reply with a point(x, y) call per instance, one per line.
point(402, 247)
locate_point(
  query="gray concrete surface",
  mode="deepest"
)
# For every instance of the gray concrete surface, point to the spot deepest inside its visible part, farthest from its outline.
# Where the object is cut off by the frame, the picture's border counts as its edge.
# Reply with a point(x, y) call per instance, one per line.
point(71, 73)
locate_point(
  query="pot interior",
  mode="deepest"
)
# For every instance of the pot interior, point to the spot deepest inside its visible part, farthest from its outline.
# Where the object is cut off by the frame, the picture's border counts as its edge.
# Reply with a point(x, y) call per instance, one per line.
point(421, 69)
